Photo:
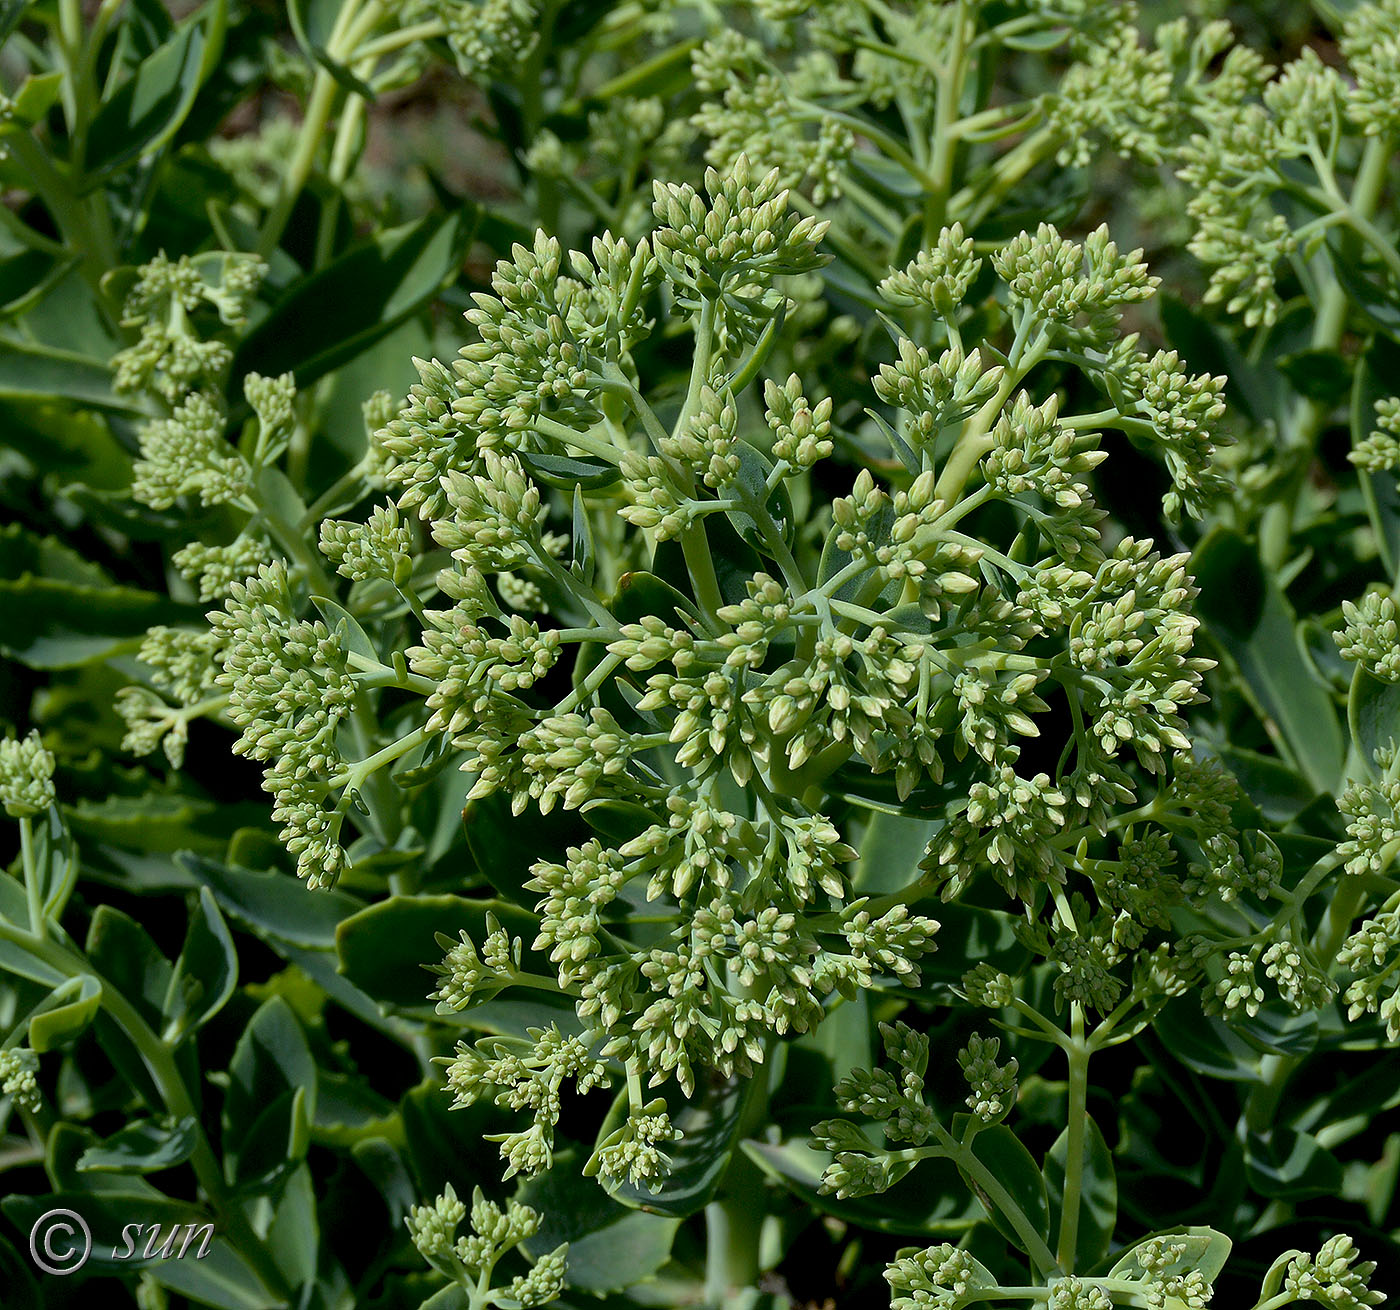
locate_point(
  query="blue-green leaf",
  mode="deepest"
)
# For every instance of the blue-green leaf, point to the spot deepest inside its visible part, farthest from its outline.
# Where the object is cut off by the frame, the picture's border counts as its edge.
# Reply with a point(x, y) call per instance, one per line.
point(206, 973)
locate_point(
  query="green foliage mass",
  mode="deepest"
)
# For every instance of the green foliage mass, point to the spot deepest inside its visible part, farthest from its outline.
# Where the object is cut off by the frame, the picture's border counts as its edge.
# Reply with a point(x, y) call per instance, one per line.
point(760, 635)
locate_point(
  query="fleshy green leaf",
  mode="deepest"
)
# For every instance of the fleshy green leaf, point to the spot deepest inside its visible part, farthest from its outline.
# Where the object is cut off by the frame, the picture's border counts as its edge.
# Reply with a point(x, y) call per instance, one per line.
point(1008, 1161)
point(1098, 1196)
point(1248, 615)
point(611, 1247)
point(62, 1023)
point(143, 1147)
point(271, 1099)
point(206, 973)
point(146, 110)
point(384, 950)
point(328, 318)
point(1291, 1165)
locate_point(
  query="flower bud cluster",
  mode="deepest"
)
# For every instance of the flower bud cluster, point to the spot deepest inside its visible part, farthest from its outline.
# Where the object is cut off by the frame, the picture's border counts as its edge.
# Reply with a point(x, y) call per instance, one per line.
point(26, 776)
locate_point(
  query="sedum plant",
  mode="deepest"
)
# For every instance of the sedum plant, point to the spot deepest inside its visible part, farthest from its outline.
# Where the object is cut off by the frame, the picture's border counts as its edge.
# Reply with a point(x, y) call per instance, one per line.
point(839, 734)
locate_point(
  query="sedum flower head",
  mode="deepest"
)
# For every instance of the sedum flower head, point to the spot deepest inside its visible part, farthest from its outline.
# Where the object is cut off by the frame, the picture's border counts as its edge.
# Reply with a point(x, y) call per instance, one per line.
point(217, 568)
point(1371, 44)
point(1380, 452)
point(1335, 1277)
point(26, 776)
point(289, 689)
point(171, 356)
point(942, 1277)
point(377, 548)
point(914, 642)
point(635, 1152)
point(19, 1068)
point(939, 277)
point(736, 239)
point(993, 1085)
point(1080, 288)
point(489, 37)
point(432, 1226)
point(1073, 1293)
point(1371, 636)
point(187, 455)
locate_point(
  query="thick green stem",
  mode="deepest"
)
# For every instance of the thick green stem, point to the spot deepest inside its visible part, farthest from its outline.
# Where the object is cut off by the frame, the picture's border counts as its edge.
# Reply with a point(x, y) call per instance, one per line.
point(731, 1254)
point(38, 923)
point(1031, 1240)
point(975, 440)
point(734, 1219)
point(1078, 1056)
point(313, 128)
point(949, 98)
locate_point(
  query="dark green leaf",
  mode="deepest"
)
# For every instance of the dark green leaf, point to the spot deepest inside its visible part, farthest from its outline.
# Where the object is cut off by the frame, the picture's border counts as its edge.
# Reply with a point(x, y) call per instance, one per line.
point(891, 847)
point(754, 468)
point(611, 1247)
point(1204, 1043)
point(1279, 791)
point(1320, 375)
point(56, 861)
point(1373, 714)
point(1290, 1165)
point(384, 949)
point(147, 109)
point(312, 22)
point(585, 560)
point(1098, 1209)
point(35, 372)
point(274, 904)
point(271, 1098)
point(1377, 301)
point(1375, 380)
point(11, 11)
point(26, 277)
point(37, 95)
point(328, 318)
point(59, 1025)
point(60, 611)
point(143, 1147)
point(384, 1165)
point(445, 1145)
point(75, 445)
point(123, 952)
point(1248, 615)
point(569, 471)
point(504, 845)
point(1010, 1164)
